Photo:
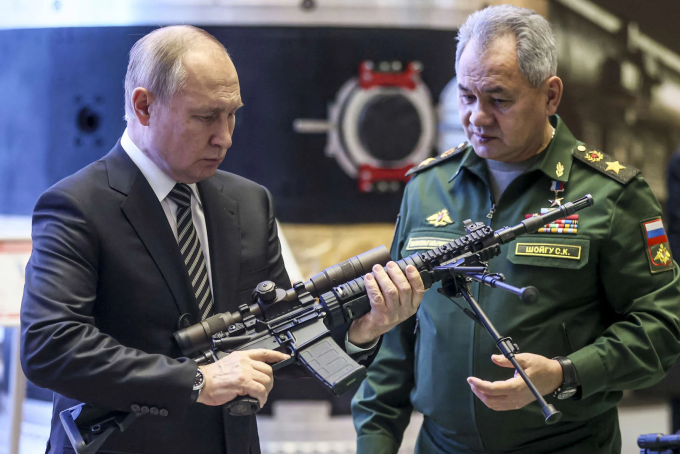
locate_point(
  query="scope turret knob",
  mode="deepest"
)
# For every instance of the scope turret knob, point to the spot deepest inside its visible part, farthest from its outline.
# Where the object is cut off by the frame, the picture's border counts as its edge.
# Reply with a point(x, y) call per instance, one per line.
point(266, 291)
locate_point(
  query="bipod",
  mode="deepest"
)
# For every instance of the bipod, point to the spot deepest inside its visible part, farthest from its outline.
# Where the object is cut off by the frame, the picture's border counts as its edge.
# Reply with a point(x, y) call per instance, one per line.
point(458, 284)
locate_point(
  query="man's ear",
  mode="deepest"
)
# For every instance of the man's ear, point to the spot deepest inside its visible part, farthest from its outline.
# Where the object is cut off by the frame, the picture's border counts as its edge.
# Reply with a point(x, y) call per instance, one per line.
point(141, 101)
point(555, 90)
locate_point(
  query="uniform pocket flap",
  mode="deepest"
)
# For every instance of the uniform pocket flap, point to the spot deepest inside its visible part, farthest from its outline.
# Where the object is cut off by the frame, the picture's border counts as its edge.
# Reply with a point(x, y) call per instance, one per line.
point(538, 250)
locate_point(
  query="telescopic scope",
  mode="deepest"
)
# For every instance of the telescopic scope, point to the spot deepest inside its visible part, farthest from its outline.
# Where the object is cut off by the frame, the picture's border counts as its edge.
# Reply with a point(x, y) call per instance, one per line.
point(198, 337)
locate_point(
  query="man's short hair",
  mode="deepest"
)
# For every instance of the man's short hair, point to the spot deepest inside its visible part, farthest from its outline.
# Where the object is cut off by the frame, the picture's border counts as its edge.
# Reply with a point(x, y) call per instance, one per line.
point(536, 52)
point(156, 62)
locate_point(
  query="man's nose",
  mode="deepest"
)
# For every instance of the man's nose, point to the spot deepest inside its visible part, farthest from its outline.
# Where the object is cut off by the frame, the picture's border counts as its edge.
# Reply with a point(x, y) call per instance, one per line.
point(222, 135)
point(480, 115)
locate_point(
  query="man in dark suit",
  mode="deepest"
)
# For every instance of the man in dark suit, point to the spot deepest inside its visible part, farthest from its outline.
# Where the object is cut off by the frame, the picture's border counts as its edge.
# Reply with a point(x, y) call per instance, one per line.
point(150, 232)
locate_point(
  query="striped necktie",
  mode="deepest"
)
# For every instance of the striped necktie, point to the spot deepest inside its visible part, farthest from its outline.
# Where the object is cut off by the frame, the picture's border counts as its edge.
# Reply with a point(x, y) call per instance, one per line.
point(190, 247)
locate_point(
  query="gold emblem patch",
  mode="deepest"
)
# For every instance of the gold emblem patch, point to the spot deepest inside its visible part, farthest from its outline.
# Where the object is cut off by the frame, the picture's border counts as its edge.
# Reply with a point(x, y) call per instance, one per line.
point(662, 255)
point(559, 171)
point(594, 156)
point(558, 251)
point(440, 218)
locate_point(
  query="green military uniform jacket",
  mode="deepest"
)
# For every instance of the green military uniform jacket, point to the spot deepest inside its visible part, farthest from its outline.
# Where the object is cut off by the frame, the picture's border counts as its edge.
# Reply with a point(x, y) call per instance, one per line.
point(606, 302)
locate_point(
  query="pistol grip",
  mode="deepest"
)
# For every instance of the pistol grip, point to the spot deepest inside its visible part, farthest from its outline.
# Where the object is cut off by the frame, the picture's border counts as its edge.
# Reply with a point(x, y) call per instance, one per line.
point(243, 406)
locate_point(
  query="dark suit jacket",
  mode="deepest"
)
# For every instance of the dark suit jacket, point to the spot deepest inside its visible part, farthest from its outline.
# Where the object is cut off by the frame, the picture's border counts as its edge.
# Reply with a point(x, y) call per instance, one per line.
point(105, 287)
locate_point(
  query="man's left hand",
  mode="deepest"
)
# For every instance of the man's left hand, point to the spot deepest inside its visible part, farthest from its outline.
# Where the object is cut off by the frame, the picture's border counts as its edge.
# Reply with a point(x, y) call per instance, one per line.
point(394, 297)
point(514, 394)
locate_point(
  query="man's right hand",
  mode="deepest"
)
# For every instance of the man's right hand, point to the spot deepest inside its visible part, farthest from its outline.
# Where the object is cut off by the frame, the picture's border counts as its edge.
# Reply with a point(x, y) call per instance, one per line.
point(243, 373)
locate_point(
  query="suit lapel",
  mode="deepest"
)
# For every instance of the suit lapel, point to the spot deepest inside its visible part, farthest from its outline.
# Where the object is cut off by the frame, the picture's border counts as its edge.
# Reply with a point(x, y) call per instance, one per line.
point(224, 239)
point(143, 210)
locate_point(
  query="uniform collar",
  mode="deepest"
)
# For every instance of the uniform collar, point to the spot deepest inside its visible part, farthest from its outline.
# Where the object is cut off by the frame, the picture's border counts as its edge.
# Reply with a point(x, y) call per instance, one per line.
point(557, 158)
point(555, 161)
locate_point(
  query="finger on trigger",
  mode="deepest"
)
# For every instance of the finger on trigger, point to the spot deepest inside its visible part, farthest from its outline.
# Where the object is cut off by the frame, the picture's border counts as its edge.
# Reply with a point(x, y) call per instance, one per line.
point(266, 356)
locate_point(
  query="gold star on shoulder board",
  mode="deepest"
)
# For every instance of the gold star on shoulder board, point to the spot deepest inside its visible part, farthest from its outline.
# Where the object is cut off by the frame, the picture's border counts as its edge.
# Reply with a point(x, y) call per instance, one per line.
point(615, 167)
point(426, 162)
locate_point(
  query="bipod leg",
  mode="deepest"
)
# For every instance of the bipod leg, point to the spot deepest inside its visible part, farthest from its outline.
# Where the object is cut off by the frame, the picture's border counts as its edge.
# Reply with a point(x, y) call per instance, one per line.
point(450, 290)
point(509, 349)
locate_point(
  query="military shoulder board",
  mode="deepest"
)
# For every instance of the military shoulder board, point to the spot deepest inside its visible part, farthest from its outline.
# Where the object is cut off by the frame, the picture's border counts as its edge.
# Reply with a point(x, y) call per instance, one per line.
point(431, 162)
point(605, 164)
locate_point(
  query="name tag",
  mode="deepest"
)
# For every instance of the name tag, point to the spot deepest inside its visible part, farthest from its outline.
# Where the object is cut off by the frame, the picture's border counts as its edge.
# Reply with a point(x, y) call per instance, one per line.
point(558, 251)
point(426, 243)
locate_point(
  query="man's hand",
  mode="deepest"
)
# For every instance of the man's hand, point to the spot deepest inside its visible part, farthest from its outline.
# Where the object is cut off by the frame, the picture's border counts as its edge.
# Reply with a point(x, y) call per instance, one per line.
point(394, 298)
point(244, 373)
point(514, 394)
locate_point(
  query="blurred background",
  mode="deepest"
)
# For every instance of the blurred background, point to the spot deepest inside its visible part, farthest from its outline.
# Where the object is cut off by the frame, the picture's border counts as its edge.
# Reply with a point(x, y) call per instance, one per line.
point(317, 133)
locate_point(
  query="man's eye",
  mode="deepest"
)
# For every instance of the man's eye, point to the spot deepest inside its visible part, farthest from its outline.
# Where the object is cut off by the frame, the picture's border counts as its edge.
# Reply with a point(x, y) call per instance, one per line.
point(468, 98)
point(500, 101)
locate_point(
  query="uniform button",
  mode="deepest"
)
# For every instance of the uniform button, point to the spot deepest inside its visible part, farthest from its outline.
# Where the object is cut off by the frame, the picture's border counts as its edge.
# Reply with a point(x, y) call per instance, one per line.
point(135, 408)
point(145, 410)
point(153, 411)
point(163, 412)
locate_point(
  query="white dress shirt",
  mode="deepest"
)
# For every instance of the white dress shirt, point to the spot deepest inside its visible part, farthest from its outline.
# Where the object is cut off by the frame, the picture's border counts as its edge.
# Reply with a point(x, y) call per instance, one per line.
point(162, 184)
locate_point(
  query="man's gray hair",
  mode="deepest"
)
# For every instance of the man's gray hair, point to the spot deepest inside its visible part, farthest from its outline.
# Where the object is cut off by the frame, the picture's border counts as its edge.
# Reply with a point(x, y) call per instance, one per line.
point(156, 62)
point(536, 52)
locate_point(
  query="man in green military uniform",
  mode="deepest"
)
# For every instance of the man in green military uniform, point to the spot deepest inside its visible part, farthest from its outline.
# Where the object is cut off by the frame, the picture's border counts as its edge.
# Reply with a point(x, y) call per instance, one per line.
point(609, 289)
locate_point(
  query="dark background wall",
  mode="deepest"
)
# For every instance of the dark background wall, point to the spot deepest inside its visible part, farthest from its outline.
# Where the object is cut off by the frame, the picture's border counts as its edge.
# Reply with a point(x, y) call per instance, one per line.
point(53, 80)
point(657, 18)
point(611, 97)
